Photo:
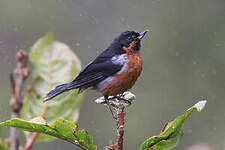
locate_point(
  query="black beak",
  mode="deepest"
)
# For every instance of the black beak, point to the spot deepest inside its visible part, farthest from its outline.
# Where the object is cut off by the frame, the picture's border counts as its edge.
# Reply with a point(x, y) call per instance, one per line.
point(142, 34)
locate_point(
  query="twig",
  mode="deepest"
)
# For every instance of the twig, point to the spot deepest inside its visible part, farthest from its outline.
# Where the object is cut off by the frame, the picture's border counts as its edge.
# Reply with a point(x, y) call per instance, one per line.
point(120, 127)
point(112, 146)
point(30, 141)
point(17, 78)
point(119, 102)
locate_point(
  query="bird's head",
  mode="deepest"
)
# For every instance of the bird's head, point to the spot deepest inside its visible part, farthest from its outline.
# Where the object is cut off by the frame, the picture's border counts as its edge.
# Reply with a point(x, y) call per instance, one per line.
point(131, 40)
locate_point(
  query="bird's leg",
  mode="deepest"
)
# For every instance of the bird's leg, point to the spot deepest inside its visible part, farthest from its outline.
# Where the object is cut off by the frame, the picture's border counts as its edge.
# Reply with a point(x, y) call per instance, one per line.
point(115, 116)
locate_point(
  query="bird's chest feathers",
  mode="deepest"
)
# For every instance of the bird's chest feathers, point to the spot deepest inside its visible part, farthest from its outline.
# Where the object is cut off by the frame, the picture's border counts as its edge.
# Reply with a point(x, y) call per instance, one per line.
point(133, 68)
point(126, 77)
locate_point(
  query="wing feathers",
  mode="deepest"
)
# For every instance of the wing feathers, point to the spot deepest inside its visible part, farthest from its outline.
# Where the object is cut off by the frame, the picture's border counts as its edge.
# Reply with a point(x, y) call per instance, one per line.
point(93, 73)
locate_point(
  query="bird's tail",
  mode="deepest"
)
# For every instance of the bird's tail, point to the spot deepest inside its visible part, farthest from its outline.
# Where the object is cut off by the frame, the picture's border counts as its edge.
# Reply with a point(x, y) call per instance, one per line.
point(59, 89)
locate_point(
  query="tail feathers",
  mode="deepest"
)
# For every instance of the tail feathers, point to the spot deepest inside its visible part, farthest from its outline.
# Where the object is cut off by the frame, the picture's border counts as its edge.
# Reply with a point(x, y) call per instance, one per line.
point(60, 89)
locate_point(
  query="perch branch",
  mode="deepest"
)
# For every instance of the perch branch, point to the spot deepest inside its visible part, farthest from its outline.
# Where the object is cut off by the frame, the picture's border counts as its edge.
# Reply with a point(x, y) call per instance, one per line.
point(120, 127)
point(119, 103)
point(17, 78)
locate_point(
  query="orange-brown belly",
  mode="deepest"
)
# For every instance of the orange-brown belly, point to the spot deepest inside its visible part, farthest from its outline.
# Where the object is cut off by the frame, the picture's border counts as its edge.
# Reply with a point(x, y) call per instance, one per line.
point(125, 80)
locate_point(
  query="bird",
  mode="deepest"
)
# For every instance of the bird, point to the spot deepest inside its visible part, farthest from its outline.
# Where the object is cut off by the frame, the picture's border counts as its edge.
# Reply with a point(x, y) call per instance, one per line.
point(113, 72)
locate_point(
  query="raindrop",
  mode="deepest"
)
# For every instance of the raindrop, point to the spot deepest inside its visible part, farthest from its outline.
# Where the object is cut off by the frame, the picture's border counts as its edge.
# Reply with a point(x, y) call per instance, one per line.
point(94, 19)
point(214, 71)
point(195, 62)
point(189, 131)
point(81, 14)
point(171, 49)
point(15, 29)
point(52, 17)
point(218, 44)
point(202, 75)
point(21, 27)
point(122, 19)
point(28, 6)
point(177, 53)
point(77, 44)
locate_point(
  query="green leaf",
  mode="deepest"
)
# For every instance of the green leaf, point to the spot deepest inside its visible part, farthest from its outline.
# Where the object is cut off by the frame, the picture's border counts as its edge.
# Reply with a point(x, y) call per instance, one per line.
point(3, 148)
point(61, 128)
point(53, 63)
point(85, 140)
point(4, 145)
point(171, 133)
point(169, 143)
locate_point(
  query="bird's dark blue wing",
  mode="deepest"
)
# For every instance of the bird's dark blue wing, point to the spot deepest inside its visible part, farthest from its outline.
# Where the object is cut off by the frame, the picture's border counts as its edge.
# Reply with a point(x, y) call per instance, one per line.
point(96, 71)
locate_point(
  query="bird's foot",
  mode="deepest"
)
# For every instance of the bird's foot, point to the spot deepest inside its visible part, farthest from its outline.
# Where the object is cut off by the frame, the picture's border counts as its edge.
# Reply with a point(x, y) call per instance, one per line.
point(122, 98)
point(117, 102)
point(114, 114)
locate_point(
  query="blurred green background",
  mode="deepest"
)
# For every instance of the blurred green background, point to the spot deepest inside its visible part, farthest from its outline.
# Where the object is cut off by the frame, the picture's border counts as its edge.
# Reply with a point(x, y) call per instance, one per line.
point(183, 62)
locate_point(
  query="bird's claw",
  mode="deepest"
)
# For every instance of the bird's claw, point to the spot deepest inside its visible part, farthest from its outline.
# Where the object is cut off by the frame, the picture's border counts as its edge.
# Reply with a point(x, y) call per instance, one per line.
point(122, 98)
point(116, 102)
point(115, 116)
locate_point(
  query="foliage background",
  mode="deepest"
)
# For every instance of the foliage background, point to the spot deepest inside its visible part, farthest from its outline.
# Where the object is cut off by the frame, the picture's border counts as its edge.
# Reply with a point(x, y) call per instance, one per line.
point(183, 61)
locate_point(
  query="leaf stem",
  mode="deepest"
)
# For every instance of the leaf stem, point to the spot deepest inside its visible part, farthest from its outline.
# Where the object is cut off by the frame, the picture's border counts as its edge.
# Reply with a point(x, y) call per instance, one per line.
point(43, 114)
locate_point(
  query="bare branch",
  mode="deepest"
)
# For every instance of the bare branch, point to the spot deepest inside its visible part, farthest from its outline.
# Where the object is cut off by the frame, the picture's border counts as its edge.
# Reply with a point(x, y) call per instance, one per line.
point(17, 78)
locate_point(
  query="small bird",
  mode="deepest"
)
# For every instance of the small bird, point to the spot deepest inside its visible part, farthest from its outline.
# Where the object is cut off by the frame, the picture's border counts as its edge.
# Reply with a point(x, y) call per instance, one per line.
point(113, 72)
